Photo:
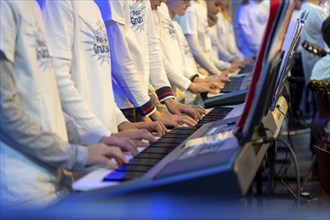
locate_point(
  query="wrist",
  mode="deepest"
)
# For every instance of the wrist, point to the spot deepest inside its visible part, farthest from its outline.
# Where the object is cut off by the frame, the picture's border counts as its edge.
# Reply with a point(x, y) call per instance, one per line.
point(201, 80)
point(155, 115)
point(194, 77)
point(192, 87)
point(169, 101)
point(124, 125)
point(103, 139)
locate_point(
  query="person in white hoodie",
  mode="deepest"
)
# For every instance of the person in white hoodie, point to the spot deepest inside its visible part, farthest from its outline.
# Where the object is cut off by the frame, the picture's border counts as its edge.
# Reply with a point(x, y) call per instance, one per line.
point(252, 20)
point(194, 24)
point(35, 157)
point(178, 60)
point(226, 40)
point(78, 45)
point(136, 61)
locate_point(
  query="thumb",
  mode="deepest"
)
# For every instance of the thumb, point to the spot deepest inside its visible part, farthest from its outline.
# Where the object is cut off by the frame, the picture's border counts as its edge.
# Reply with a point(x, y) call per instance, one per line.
point(213, 91)
point(110, 163)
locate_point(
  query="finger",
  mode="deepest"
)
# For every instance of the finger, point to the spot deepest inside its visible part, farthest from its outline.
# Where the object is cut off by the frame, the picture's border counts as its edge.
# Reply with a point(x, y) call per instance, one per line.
point(186, 120)
point(143, 143)
point(111, 164)
point(171, 121)
point(200, 109)
point(132, 149)
point(193, 114)
point(213, 91)
point(225, 79)
point(146, 135)
point(117, 154)
point(174, 111)
point(200, 113)
point(218, 84)
point(143, 134)
point(197, 115)
point(161, 129)
point(224, 73)
point(126, 143)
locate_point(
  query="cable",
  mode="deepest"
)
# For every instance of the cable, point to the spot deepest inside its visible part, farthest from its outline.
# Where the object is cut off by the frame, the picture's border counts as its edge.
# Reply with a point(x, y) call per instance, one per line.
point(296, 167)
point(271, 183)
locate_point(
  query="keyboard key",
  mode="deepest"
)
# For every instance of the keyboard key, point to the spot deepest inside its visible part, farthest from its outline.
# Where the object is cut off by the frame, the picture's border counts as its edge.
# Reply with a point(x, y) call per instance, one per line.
point(130, 167)
point(117, 175)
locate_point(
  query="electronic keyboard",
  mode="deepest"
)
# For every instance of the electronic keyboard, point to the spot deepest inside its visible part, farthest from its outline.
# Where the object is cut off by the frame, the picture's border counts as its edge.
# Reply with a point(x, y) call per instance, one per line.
point(231, 98)
point(150, 156)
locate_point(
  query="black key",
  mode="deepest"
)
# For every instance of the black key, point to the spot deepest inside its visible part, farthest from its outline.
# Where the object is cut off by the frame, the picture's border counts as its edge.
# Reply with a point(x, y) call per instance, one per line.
point(158, 150)
point(165, 145)
point(149, 155)
point(180, 136)
point(170, 140)
point(143, 161)
point(183, 132)
point(215, 117)
point(129, 167)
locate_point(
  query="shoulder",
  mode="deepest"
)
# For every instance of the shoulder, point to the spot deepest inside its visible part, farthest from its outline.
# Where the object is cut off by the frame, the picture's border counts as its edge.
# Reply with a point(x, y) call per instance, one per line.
point(61, 4)
point(194, 7)
point(323, 62)
point(322, 66)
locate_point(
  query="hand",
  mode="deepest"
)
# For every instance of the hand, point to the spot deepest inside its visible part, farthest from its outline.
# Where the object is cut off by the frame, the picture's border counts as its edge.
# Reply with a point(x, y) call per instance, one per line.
point(238, 62)
point(136, 135)
point(101, 154)
point(211, 87)
point(248, 61)
point(173, 120)
point(224, 76)
point(219, 80)
point(177, 108)
point(233, 68)
point(200, 109)
point(156, 126)
point(124, 143)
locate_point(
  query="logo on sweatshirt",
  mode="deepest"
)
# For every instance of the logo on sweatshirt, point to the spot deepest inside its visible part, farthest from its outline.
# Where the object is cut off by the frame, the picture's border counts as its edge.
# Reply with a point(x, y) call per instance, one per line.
point(98, 41)
point(40, 45)
point(168, 25)
point(262, 18)
point(137, 12)
point(186, 48)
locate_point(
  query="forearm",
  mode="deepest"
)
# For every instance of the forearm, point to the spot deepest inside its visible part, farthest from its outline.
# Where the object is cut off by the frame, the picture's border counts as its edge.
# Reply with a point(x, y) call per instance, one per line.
point(222, 65)
point(19, 131)
point(200, 56)
point(175, 77)
point(79, 135)
point(222, 51)
point(126, 74)
point(157, 77)
point(73, 104)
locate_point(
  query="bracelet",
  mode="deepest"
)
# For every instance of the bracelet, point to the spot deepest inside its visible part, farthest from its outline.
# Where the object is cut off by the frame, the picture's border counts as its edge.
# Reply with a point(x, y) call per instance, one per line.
point(194, 77)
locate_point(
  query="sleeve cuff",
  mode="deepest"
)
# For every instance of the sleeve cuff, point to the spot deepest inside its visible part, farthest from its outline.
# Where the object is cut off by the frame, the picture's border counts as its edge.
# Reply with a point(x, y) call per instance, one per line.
point(226, 65)
point(92, 138)
point(81, 158)
point(165, 93)
point(147, 109)
point(120, 116)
